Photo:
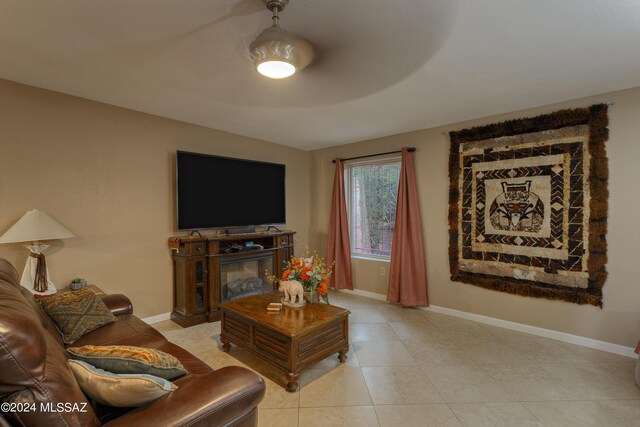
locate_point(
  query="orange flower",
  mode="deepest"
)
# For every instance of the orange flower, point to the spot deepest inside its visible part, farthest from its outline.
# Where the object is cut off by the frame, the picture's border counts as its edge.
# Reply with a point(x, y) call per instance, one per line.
point(286, 274)
point(305, 273)
point(323, 288)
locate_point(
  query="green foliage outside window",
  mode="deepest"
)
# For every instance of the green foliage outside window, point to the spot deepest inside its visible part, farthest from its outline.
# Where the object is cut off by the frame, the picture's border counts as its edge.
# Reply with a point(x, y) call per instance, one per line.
point(374, 198)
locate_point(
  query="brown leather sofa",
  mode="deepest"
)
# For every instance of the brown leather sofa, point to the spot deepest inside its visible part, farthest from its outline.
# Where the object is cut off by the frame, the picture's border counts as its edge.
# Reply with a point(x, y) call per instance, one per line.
point(33, 370)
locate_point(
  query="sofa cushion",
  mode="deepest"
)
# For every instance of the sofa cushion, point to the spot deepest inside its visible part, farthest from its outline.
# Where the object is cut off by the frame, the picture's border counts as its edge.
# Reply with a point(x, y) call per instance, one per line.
point(191, 363)
point(33, 366)
point(120, 390)
point(8, 274)
point(76, 313)
point(128, 330)
point(125, 359)
point(46, 322)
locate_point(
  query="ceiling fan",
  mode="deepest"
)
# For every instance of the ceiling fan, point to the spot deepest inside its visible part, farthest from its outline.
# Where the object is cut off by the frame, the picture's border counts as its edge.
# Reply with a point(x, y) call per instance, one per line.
point(276, 53)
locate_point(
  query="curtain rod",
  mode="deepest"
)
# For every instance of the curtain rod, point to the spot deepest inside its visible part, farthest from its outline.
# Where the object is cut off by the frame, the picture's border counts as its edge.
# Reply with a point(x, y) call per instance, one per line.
point(410, 149)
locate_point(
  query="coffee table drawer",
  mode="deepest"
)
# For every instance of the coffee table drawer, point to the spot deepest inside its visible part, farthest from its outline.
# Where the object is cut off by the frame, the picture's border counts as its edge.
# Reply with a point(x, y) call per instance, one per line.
point(311, 345)
point(322, 342)
point(272, 346)
point(240, 329)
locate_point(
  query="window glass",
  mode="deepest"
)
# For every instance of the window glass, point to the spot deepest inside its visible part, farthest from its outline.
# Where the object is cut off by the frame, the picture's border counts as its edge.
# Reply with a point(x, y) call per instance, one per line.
point(373, 193)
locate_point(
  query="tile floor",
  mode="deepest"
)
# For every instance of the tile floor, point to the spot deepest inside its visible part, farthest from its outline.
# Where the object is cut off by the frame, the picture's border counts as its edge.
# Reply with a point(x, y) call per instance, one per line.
point(410, 367)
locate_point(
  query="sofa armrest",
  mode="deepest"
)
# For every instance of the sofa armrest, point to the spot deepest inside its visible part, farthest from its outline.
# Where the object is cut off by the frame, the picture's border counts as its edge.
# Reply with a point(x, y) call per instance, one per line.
point(212, 399)
point(118, 304)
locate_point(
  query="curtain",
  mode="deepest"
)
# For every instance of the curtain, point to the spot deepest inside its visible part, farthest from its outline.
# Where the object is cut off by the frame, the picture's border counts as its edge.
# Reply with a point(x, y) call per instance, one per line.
point(408, 271)
point(339, 249)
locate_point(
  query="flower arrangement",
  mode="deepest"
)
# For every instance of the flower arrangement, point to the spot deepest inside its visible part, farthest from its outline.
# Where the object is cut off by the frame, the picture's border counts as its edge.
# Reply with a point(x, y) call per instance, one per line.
point(312, 272)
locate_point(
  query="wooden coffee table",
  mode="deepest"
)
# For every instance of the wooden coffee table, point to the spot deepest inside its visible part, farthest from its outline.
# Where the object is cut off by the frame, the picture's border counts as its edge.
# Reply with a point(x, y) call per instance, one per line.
point(290, 340)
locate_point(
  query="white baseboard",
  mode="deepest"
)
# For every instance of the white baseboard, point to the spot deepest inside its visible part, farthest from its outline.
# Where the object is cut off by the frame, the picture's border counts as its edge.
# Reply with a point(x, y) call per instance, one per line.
point(534, 330)
point(157, 318)
point(367, 294)
point(520, 327)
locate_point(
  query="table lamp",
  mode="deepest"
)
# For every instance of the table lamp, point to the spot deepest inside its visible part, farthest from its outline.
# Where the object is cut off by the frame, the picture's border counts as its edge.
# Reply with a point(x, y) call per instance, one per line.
point(32, 230)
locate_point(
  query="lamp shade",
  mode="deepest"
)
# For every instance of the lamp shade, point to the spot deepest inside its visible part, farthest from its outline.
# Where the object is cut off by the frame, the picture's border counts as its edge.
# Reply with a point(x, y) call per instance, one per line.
point(35, 226)
point(278, 54)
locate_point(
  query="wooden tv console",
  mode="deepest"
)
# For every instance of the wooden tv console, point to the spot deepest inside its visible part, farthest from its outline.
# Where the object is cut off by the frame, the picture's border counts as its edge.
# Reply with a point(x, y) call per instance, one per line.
point(196, 269)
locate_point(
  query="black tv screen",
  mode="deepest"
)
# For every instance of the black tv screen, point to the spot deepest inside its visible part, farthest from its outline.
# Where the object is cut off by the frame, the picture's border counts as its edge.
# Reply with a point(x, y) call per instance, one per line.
point(218, 192)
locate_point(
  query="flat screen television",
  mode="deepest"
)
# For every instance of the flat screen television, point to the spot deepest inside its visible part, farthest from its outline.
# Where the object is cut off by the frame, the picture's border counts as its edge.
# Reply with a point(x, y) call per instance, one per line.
point(222, 192)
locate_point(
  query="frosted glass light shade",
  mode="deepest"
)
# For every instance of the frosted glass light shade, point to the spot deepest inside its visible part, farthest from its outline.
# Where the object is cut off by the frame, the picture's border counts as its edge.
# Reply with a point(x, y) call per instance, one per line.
point(278, 54)
point(276, 69)
point(35, 226)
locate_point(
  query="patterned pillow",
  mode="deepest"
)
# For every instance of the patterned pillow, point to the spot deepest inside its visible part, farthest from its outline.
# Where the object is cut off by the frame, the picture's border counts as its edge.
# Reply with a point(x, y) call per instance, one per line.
point(125, 359)
point(77, 313)
point(119, 390)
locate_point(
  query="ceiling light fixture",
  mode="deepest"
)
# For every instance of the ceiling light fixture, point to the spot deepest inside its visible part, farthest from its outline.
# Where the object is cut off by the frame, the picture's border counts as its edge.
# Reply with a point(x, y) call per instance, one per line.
point(276, 53)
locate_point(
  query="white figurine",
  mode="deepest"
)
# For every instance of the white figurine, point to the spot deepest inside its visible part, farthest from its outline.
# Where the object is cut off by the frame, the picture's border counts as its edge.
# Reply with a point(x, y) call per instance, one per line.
point(292, 289)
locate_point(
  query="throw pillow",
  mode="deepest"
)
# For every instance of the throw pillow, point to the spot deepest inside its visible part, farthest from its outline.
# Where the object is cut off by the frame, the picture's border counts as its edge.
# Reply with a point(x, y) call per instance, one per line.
point(125, 359)
point(77, 313)
point(119, 390)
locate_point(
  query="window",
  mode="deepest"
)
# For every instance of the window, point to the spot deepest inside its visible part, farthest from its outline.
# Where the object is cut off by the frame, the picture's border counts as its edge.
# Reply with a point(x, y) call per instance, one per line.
point(372, 190)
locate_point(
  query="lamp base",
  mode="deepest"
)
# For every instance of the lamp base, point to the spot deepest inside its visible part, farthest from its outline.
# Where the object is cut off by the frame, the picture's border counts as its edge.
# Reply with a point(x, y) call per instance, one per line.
point(30, 271)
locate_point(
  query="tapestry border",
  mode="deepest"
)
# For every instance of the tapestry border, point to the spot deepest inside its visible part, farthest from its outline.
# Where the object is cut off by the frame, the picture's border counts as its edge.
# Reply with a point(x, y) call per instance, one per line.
point(596, 118)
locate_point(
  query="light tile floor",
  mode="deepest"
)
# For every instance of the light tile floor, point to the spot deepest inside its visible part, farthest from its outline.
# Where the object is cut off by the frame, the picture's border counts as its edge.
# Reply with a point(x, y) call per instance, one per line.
point(410, 367)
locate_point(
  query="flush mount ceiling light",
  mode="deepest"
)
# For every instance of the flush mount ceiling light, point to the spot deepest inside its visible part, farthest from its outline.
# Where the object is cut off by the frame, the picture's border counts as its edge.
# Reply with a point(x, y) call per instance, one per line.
point(276, 53)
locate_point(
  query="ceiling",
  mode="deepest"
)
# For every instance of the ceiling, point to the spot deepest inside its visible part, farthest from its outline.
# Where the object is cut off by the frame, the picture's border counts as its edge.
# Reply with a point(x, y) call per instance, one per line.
point(384, 67)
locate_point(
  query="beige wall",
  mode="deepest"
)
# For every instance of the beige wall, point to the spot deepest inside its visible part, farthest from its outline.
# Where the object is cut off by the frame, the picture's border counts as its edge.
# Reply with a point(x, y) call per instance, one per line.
point(107, 174)
point(618, 322)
